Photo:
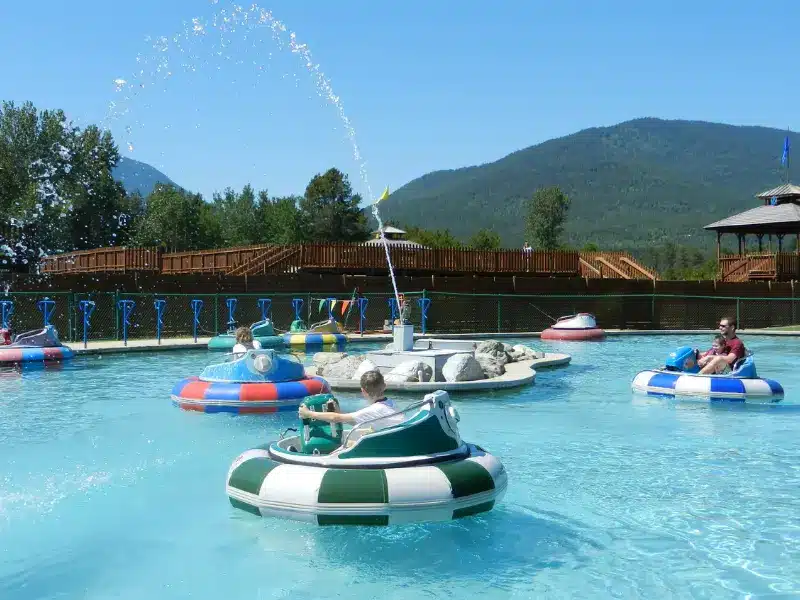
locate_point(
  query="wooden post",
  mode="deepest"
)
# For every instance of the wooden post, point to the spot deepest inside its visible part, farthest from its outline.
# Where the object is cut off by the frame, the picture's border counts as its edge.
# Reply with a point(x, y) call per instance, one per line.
point(719, 238)
point(760, 237)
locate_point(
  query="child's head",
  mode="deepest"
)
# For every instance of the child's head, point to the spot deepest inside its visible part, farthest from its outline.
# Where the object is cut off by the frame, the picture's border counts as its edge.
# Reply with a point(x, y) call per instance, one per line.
point(372, 385)
point(719, 342)
point(244, 335)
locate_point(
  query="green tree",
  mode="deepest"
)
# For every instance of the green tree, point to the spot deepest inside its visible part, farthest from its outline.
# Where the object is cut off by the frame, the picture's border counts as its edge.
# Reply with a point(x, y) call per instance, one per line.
point(484, 239)
point(238, 216)
point(279, 219)
point(56, 186)
point(546, 215)
point(329, 210)
point(435, 238)
point(177, 220)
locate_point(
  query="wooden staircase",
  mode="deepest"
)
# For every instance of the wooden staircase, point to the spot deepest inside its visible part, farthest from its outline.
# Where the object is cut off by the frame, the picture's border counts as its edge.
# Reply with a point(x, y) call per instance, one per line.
point(267, 260)
point(613, 265)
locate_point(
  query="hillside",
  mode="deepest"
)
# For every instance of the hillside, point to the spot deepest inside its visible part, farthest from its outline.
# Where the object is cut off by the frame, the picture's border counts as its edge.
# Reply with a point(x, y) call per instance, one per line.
point(639, 182)
point(139, 177)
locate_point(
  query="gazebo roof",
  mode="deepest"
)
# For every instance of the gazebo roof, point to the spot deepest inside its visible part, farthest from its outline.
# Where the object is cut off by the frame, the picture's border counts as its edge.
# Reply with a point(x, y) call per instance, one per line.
point(399, 243)
point(780, 218)
point(787, 190)
point(781, 215)
point(389, 229)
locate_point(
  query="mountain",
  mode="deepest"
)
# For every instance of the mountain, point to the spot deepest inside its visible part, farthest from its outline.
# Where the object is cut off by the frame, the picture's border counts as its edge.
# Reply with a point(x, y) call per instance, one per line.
point(633, 184)
point(139, 177)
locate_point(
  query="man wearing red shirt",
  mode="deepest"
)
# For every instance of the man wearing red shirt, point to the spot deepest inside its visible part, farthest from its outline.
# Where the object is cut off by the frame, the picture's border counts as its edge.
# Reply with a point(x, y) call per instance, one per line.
point(734, 350)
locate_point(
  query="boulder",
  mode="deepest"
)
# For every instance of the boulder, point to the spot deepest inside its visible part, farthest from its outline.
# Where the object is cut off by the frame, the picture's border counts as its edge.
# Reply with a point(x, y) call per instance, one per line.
point(462, 367)
point(492, 357)
point(409, 370)
point(322, 359)
point(526, 353)
point(343, 369)
point(366, 365)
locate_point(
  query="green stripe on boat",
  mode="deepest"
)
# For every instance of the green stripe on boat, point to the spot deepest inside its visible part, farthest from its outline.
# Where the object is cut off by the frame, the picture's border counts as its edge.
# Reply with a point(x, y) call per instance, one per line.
point(468, 511)
point(351, 486)
point(467, 477)
point(353, 519)
point(245, 506)
point(249, 475)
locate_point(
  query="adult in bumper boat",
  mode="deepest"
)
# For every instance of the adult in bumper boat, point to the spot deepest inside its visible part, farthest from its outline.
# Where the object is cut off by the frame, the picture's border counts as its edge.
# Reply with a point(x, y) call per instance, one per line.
point(734, 350)
point(403, 467)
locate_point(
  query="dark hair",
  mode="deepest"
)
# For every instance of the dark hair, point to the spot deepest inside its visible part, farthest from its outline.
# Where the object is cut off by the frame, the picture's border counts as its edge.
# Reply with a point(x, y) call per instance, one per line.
point(720, 338)
point(372, 383)
point(731, 321)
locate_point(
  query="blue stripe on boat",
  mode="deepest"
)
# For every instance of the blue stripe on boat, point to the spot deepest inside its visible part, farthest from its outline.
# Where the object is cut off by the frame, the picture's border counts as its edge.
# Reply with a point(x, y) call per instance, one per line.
point(663, 380)
point(774, 387)
point(727, 385)
point(288, 390)
point(32, 354)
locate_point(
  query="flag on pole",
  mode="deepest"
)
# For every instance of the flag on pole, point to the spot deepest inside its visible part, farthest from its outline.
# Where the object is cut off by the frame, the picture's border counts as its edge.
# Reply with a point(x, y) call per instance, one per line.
point(384, 195)
point(785, 157)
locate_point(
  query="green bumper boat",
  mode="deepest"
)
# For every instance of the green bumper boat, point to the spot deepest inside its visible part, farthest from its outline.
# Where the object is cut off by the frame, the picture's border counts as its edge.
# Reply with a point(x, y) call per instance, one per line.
point(263, 333)
point(409, 467)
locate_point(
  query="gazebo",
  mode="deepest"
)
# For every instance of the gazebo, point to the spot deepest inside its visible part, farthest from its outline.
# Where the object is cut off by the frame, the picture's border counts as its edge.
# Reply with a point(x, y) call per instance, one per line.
point(394, 237)
point(777, 217)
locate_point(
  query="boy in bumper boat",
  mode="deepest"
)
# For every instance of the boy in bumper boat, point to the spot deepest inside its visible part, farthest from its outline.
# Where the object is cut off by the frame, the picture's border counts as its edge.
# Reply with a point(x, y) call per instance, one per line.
point(379, 407)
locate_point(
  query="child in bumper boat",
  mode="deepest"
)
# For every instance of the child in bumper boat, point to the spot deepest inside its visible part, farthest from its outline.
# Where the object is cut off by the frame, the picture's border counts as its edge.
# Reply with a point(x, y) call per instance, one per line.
point(245, 341)
point(379, 407)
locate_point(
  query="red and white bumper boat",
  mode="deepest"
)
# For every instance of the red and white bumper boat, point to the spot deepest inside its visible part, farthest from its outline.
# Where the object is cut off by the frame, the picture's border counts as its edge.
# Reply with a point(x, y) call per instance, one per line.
point(575, 328)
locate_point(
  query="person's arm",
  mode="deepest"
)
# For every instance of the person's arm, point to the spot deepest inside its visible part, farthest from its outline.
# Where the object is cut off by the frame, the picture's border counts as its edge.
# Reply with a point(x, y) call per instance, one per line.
point(328, 417)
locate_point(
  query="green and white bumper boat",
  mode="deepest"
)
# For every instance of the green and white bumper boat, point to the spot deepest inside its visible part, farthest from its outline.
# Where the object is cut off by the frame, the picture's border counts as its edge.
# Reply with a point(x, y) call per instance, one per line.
point(408, 468)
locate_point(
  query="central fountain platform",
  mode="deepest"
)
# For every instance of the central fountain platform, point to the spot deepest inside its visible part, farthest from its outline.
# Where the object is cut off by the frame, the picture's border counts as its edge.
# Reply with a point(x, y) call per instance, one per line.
point(434, 354)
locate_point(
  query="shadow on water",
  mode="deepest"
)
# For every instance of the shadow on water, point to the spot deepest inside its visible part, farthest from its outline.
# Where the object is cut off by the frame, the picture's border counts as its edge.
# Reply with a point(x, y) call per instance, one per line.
point(508, 545)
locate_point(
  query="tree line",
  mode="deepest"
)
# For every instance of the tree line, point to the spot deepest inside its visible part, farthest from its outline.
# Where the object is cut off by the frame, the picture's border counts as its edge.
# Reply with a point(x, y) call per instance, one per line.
point(58, 194)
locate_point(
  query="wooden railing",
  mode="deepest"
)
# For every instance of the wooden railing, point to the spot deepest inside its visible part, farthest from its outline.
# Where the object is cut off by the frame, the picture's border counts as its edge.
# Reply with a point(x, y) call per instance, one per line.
point(103, 260)
point(771, 266)
point(614, 265)
point(351, 258)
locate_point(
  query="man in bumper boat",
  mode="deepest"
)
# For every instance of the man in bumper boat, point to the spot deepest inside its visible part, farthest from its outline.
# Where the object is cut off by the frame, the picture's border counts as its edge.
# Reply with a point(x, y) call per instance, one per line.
point(379, 407)
point(734, 350)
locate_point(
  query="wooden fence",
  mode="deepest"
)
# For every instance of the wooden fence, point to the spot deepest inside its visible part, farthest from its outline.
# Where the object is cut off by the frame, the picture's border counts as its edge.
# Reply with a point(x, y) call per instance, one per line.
point(102, 260)
point(348, 258)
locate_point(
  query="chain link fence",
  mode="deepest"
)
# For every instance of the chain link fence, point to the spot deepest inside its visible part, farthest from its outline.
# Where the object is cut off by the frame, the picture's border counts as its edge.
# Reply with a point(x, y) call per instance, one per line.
point(106, 317)
point(447, 313)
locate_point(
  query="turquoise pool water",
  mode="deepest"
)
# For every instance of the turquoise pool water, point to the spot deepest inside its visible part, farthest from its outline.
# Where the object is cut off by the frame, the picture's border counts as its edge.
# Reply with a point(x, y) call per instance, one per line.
point(109, 491)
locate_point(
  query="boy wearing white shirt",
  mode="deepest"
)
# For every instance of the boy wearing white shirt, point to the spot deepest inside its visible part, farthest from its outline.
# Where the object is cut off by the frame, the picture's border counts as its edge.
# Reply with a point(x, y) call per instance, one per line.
point(372, 388)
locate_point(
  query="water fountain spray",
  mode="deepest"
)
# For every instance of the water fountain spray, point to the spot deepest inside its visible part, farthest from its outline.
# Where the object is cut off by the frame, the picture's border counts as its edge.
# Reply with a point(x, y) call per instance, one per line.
point(226, 22)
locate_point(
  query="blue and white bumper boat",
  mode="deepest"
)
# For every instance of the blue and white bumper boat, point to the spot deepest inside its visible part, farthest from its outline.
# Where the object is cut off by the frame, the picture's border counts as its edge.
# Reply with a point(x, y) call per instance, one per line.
point(681, 377)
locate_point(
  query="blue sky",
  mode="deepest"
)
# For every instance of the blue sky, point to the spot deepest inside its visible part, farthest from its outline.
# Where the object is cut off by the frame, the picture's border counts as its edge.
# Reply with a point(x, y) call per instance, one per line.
point(427, 85)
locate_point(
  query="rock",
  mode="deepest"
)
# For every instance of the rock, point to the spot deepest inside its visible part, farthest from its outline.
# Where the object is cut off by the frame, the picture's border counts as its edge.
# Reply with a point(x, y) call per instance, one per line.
point(526, 353)
point(366, 365)
point(492, 357)
point(322, 359)
point(344, 368)
point(462, 367)
point(493, 366)
point(409, 371)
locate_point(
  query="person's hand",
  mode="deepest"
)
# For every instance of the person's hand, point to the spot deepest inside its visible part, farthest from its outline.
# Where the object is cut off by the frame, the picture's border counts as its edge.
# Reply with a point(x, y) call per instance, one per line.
point(304, 412)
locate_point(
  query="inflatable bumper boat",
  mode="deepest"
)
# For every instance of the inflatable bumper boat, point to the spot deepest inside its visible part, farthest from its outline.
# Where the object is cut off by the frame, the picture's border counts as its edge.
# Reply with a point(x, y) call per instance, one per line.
point(681, 377)
point(259, 381)
point(323, 334)
point(39, 345)
point(263, 333)
point(574, 328)
point(416, 468)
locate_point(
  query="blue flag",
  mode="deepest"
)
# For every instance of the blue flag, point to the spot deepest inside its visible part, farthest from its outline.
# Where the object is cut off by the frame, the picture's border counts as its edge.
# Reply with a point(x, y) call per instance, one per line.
point(785, 157)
